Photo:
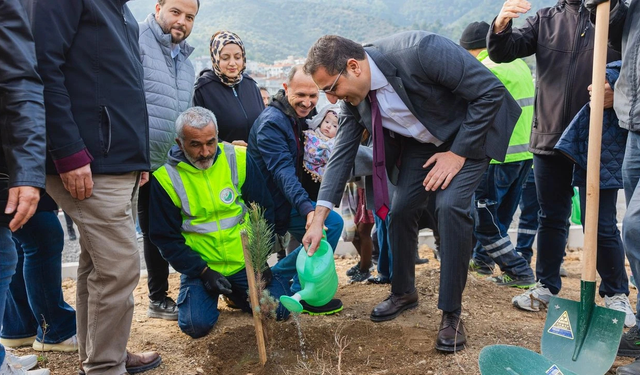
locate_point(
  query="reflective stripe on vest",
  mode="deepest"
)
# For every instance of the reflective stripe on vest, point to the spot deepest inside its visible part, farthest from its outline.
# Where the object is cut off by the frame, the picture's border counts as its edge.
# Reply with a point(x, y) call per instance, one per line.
point(212, 227)
point(525, 102)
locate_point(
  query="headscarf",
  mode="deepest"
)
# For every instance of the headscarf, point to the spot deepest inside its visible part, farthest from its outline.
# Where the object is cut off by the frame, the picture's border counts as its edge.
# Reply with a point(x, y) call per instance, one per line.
point(317, 119)
point(218, 41)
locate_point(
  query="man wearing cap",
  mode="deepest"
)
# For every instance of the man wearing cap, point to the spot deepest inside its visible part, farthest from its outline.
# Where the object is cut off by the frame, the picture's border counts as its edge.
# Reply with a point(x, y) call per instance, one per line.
point(500, 189)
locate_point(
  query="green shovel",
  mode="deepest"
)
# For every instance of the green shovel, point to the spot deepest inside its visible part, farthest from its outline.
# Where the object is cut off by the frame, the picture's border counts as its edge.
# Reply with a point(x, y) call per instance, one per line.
point(579, 337)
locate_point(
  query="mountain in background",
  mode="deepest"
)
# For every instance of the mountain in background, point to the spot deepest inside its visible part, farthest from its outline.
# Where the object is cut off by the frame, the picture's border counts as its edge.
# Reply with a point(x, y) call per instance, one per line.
point(275, 29)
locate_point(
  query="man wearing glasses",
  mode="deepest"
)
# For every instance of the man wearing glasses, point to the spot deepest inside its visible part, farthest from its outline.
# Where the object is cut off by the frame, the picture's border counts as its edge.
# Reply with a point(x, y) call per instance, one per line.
point(437, 116)
point(276, 146)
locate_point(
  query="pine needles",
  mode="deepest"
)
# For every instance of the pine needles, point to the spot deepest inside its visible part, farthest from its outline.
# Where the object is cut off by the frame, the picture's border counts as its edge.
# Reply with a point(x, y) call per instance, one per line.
point(260, 235)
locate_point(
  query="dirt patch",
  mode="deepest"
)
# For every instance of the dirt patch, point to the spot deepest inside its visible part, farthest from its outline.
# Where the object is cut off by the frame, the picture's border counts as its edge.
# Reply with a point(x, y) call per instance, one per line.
point(346, 343)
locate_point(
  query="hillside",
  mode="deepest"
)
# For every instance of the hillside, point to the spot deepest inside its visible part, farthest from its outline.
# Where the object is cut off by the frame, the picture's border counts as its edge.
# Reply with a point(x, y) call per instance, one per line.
point(275, 29)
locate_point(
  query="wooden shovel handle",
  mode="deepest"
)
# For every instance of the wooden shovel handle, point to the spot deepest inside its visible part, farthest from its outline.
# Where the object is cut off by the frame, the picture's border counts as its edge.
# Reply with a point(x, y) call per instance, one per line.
point(595, 140)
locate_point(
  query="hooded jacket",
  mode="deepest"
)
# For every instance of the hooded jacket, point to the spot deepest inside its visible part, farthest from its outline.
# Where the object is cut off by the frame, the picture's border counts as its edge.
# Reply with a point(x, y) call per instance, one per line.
point(276, 146)
point(562, 39)
point(236, 108)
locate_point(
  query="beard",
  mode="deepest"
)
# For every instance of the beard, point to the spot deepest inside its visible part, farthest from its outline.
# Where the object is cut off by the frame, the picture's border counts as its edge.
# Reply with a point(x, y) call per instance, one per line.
point(167, 30)
point(201, 163)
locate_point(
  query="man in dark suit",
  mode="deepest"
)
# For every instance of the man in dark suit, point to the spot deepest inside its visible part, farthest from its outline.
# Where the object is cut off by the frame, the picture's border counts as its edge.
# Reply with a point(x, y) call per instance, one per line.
point(437, 116)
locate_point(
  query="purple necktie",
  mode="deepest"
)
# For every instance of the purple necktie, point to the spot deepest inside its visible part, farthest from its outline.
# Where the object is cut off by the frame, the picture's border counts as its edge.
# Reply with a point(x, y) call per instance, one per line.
point(380, 189)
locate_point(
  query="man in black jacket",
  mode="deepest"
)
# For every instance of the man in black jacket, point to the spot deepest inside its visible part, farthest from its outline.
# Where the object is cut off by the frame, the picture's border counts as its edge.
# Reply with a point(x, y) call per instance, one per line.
point(22, 136)
point(562, 39)
point(98, 145)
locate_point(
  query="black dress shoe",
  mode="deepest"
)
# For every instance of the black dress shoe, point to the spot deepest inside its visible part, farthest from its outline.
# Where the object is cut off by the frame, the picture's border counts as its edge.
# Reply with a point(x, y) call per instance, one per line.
point(451, 336)
point(378, 280)
point(393, 306)
point(421, 260)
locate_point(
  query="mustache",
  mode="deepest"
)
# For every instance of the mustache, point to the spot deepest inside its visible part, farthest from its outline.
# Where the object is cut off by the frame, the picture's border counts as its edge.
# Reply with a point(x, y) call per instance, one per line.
point(204, 158)
point(180, 28)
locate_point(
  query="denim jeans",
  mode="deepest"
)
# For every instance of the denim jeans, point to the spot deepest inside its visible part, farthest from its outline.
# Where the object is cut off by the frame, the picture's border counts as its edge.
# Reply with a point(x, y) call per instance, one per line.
point(610, 258)
point(528, 224)
point(198, 310)
point(631, 221)
point(8, 262)
point(35, 294)
point(497, 199)
point(297, 223)
point(385, 260)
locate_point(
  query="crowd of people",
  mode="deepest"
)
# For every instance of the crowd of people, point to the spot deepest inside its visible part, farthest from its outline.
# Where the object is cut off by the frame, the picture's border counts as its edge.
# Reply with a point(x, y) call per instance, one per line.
point(421, 132)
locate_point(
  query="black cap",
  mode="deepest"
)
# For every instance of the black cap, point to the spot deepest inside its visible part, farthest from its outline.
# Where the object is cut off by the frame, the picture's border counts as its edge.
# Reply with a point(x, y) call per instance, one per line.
point(475, 36)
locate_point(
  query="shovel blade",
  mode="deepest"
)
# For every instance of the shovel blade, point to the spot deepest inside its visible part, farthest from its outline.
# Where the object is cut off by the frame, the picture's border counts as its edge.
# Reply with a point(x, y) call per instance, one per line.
point(561, 338)
point(513, 360)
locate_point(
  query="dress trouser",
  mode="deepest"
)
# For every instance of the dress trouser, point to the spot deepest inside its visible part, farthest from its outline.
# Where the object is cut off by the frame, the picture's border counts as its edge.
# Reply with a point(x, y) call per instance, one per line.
point(631, 221)
point(157, 266)
point(109, 267)
point(453, 214)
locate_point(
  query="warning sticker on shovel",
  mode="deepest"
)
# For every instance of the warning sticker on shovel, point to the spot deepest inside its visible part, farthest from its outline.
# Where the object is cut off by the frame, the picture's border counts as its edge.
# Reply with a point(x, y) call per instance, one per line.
point(562, 327)
point(554, 370)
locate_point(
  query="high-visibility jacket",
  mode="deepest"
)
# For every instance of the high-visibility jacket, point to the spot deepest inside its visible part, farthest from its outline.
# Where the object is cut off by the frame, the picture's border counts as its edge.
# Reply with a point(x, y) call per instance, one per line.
point(213, 211)
point(516, 77)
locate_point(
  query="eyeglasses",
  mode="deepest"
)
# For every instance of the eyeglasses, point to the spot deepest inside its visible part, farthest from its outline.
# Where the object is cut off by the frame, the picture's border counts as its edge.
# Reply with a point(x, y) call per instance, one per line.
point(333, 86)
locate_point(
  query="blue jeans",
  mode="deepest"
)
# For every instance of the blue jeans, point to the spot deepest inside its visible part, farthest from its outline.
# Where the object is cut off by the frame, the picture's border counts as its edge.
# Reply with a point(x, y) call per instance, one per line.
point(297, 223)
point(8, 262)
point(610, 258)
point(497, 199)
point(198, 310)
point(528, 224)
point(631, 221)
point(35, 294)
point(385, 260)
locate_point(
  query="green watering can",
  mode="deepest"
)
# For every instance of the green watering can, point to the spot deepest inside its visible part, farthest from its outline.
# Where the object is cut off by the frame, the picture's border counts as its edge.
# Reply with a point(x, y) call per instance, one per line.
point(318, 279)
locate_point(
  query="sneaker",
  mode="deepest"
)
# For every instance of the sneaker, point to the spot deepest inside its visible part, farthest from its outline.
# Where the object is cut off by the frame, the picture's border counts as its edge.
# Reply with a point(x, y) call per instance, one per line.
point(332, 307)
point(630, 343)
point(139, 236)
point(621, 302)
point(378, 280)
point(481, 269)
point(68, 345)
point(72, 234)
point(515, 282)
point(533, 299)
point(563, 272)
point(165, 309)
point(359, 277)
point(26, 362)
point(351, 271)
point(8, 367)
point(16, 343)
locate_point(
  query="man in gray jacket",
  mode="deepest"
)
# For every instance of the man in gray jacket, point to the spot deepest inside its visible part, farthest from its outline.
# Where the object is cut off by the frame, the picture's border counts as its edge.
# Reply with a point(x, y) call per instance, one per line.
point(168, 86)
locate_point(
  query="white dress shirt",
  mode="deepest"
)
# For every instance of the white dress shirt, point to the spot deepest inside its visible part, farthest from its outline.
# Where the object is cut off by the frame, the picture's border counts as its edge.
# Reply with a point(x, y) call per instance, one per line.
point(395, 114)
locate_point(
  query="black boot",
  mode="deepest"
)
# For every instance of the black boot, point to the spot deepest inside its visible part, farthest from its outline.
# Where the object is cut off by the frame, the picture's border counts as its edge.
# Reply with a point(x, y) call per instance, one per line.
point(72, 233)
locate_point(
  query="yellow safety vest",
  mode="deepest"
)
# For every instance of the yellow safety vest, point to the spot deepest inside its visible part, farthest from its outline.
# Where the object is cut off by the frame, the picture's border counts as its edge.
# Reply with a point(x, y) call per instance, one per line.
point(213, 211)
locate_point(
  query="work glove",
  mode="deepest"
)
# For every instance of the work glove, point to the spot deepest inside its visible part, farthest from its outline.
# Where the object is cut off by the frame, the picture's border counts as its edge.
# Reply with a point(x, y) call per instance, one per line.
point(215, 283)
point(591, 5)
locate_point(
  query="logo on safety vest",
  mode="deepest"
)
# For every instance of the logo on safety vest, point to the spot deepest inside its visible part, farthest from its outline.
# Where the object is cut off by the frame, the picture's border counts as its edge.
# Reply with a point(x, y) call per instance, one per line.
point(562, 327)
point(554, 370)
point(227, 195)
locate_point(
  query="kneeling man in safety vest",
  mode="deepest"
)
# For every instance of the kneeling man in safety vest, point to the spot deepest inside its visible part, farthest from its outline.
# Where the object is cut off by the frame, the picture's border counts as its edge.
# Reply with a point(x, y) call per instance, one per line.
point(197, 210)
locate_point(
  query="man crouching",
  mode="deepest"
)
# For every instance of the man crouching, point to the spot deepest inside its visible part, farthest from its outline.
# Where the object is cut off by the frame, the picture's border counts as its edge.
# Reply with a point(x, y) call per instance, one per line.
point(198, 205)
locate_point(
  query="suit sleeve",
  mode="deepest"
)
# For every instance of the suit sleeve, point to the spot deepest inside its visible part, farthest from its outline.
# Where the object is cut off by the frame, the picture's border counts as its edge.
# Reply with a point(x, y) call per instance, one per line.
point(22, 117)
point(55, 23)
point(511, 43)
point(165, 232)
point(452, 67)
point(343, 157)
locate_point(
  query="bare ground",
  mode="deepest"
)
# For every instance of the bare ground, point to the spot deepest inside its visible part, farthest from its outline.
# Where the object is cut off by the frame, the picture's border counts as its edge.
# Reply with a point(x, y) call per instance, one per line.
point(345, 343)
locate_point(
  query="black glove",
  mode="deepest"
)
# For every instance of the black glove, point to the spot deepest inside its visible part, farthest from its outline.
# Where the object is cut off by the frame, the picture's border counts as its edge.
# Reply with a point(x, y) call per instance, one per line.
point(591, 5)
point(215, 283)
point(267, 275)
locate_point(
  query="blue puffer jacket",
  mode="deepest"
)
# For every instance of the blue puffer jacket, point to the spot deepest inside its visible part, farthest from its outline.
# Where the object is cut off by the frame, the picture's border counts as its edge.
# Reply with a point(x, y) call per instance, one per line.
point(575, 140)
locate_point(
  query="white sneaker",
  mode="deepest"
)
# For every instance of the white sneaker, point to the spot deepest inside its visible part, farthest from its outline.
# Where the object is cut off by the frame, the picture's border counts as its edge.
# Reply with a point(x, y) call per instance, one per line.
point(533, 299)
point(621, 303)
point(9, 367)
point(26, 362)
point(68, 345)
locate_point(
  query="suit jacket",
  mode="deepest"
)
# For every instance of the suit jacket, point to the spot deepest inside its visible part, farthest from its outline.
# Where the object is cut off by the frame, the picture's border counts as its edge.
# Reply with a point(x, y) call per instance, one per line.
point(451, 93)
